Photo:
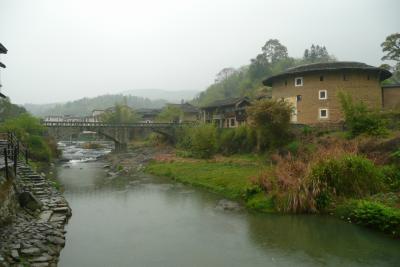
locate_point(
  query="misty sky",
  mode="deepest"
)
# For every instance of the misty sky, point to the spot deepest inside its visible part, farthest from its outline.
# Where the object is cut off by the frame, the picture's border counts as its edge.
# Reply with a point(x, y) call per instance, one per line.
point(65, 50)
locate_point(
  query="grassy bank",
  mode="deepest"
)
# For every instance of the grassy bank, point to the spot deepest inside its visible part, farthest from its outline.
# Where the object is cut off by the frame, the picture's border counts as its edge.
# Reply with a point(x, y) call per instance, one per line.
point(334, 179)
point(230, 177)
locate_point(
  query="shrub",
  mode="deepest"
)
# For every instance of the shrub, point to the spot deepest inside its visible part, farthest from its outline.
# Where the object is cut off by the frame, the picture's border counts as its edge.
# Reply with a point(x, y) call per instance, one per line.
point(271, 120)
point(226, 144)
point(39, 150)
point(293, 147)
point(312, 180)
point(349, 175)
point(372, 214)
point(30, 132)
point(237, 140)
point(391, 174)
point(361, 120)
point(203, 141)
point(157, 139)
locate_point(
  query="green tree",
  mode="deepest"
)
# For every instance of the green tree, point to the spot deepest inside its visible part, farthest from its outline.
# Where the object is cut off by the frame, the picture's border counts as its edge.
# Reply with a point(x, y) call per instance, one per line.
point(391, 46)
point(169, 114)
point(224, 74)
point(271, 119)
point(317, 53)
point(274, 51)
point(120, 114)
point(203, 141)
point(30, 132)
point(9, 110)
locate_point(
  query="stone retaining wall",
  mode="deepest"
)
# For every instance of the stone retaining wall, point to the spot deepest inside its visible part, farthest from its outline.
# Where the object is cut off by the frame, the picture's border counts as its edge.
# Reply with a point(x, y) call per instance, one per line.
point(36, 234)
point(8, 201)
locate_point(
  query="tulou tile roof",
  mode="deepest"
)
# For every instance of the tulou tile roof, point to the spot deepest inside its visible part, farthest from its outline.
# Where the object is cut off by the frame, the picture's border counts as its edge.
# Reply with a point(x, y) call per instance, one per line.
point(330, 66)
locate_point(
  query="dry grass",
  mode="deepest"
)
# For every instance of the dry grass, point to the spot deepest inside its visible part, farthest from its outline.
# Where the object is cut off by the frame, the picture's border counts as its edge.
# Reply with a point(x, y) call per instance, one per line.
point(289, 180)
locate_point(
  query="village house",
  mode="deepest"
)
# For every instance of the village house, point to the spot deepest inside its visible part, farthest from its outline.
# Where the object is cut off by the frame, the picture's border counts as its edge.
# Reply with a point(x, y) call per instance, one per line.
point(188, 112)
point(3, 50)
point(96, 114)
point(313, 89)
point(227, 113)
point(64, 118)
point(148, 115)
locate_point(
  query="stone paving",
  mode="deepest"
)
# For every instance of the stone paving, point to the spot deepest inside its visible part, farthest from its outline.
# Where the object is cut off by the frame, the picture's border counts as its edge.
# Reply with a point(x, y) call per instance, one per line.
point(36, 235)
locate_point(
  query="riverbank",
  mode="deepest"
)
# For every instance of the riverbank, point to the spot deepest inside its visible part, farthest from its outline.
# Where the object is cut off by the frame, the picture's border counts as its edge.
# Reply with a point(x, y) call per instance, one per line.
point(35, 235)
point(234, 177)
point(228, 176)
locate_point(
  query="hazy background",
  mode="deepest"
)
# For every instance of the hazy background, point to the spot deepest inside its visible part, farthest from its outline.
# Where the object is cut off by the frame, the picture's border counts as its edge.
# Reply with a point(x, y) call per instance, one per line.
point(64, 50)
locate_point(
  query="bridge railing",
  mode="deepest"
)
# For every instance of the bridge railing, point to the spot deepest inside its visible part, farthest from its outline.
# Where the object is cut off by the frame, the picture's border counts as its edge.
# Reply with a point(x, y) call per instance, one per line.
point(104, 124)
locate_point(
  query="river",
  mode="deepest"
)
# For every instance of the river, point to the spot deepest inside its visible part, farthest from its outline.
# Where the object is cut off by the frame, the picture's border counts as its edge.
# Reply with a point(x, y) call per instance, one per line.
point(149, 221)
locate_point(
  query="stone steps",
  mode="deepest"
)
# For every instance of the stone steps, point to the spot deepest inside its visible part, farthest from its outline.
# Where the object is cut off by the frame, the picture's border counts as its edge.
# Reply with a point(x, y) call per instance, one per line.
point(37, 239)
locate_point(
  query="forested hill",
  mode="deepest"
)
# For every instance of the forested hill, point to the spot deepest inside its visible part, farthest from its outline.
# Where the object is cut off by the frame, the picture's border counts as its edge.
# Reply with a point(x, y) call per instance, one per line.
point(84, 106)
point(247, 80)
point(9, 110)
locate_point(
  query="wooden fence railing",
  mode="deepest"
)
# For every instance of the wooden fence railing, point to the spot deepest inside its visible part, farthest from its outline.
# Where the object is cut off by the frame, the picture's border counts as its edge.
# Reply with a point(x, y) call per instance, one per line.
point(12, 151)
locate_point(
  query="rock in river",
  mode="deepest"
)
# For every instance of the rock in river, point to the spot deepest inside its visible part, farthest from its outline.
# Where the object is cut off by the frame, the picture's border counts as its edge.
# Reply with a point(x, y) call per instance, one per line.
point(225, 204)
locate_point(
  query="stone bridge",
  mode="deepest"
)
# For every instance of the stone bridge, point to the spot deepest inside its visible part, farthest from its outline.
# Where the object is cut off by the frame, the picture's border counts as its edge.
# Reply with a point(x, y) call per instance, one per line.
point(120, 133)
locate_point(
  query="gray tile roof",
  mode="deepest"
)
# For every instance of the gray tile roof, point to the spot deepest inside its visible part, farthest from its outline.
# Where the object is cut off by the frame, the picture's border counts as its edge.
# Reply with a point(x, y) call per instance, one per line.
point(329, 66)
point(226, 102)
point(185, 107)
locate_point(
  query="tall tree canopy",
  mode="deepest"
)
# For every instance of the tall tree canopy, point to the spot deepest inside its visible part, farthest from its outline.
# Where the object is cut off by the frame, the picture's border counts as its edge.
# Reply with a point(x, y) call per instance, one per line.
point(317, 53)
point(120, 114)
point(391, 48)
point(169, 114)
point(274, 51)
point(224, 74)
point(247, 80)
point(9, 110)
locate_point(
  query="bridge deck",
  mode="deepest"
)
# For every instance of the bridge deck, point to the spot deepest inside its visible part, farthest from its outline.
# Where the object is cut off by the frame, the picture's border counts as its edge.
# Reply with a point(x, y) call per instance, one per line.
point(112, 125)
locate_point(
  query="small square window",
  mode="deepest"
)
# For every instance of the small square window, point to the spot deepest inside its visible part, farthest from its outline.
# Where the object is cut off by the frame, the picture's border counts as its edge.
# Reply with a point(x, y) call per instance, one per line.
point(323, 113)
point(323, 95)
point(299, 98)
point(298, 81)
point(321, 78)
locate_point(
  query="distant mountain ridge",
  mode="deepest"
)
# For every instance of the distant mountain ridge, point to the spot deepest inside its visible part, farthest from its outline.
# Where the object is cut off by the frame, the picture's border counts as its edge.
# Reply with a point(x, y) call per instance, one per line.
point(84, 106)
point(170, 96)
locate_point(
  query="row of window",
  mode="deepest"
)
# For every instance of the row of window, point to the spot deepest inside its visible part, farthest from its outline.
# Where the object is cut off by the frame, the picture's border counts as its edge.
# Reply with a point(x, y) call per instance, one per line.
point(298, 81)
point(322, 95)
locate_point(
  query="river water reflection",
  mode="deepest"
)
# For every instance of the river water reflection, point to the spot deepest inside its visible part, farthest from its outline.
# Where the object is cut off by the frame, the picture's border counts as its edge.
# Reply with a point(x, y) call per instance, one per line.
point(150, 221)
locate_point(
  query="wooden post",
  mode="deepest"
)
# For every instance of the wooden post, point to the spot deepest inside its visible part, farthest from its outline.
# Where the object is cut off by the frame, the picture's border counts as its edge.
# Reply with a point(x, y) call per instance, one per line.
point(15, 160)
point(6, 162)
